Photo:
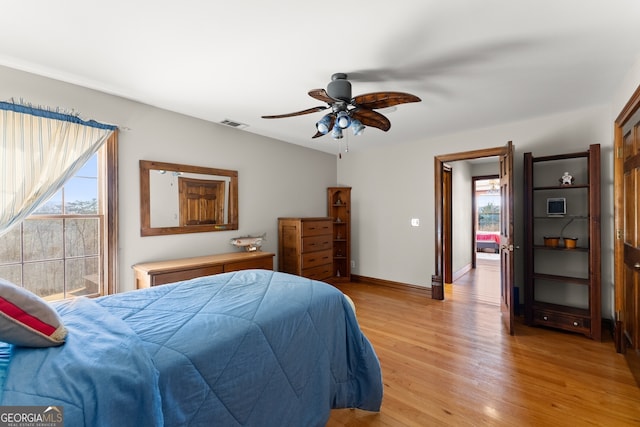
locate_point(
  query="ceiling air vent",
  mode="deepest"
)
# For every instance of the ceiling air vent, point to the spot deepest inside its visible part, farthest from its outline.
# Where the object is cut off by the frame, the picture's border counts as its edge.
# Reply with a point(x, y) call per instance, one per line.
point(233, 124)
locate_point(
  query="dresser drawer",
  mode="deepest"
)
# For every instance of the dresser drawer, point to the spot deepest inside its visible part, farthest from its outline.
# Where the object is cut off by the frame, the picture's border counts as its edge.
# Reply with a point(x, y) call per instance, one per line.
point(316, 243)
point(321, 272)
point(260, 263)
point(176, 276)
point(316, 228)
point(562, 320)
point(314, 259)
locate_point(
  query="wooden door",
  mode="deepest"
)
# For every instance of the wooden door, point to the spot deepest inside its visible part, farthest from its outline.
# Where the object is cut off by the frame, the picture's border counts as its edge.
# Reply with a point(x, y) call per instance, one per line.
point(201, 201)
point(627, 239)
point(506, 237)
point(447, 211)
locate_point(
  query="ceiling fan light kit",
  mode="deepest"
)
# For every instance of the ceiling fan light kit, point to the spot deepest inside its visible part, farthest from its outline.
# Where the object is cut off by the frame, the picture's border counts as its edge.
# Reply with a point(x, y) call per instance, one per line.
point(346, 111)
point(336, 132)
point(324, 124)
point(357, 127)
point(343, 120)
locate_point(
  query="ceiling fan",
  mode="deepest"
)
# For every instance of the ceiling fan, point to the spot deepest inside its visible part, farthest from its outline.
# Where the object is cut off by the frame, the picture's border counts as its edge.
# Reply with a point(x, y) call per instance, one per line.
point(357, 112)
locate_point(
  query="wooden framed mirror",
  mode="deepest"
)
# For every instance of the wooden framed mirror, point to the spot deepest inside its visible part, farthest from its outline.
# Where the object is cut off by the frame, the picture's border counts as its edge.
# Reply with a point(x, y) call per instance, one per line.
point(177, 199)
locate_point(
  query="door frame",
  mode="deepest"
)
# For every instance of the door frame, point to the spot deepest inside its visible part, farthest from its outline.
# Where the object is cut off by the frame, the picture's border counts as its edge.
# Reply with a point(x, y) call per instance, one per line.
point(447, 222)
point(441, 249)
point(442, 233)
point(474, 209)
point(630, 108)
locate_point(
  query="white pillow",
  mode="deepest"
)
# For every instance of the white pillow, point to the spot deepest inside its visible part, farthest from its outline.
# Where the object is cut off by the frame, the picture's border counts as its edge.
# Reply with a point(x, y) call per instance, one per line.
point(27, 320)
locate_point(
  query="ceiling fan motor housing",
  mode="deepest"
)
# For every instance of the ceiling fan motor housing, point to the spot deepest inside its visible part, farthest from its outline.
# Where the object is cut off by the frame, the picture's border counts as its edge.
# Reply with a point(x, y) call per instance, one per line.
point(339, 87)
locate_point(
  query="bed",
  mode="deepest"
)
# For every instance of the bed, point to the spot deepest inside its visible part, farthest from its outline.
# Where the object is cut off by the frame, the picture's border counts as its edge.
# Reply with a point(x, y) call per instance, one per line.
point(247, 348)
point(489, 241)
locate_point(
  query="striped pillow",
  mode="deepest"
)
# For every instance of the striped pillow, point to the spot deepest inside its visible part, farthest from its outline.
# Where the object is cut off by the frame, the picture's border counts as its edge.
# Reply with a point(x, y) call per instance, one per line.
point(27, 320)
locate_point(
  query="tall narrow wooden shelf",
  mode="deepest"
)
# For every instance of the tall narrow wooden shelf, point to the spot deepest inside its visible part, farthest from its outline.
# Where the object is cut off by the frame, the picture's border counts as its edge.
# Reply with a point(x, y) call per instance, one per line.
point(339, 209)
point(562, 284)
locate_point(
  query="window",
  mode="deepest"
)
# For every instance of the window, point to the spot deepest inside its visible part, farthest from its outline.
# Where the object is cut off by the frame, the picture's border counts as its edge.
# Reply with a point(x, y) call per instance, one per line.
point(488, 205)
point(67, 247)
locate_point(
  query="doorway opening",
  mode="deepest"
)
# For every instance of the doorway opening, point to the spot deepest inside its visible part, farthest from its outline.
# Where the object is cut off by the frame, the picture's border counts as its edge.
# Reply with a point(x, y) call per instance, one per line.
point(445, 210)
point(482, 281)
point(478, 274)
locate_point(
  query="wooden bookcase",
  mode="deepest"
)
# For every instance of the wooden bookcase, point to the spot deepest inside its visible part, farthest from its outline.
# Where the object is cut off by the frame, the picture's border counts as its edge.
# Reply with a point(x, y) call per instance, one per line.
point(563, 275)
point(339, 209)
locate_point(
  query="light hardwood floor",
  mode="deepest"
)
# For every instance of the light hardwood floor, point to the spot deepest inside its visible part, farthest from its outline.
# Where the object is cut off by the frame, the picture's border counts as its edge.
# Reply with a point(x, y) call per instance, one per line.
point(451, 363)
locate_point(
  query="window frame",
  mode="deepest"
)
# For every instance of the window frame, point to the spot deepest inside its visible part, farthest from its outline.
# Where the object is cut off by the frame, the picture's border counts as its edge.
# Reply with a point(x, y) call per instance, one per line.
point(107, 215)
point(109, 188)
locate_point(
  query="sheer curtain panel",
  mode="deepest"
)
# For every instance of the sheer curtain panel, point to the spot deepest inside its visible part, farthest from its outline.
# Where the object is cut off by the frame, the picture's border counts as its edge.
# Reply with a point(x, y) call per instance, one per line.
point(39, 150)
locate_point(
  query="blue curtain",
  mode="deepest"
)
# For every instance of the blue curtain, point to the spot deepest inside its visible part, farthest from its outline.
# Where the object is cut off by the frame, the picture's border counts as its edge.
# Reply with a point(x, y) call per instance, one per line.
point(40, 150)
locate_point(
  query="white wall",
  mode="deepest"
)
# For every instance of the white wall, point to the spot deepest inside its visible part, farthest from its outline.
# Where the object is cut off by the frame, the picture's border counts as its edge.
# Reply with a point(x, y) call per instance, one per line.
point(488, 168)
point(391, 185)
point(462, 215)
point(275, 179)
point(625, 89)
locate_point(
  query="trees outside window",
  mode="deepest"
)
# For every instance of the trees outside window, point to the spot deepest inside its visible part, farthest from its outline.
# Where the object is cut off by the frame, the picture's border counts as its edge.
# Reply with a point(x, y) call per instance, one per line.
point(489, 217)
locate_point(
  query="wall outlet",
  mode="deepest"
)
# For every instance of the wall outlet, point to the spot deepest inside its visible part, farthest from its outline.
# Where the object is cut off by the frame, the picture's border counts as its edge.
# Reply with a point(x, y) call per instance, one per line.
point(353, 264)
point(415, 222)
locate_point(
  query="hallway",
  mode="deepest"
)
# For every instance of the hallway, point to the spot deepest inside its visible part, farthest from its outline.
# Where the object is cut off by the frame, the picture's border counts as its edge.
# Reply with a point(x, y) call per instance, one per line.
point(481, 284)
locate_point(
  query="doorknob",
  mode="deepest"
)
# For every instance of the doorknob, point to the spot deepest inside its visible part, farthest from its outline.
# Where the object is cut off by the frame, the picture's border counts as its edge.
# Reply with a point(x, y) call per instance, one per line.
point(636, 265)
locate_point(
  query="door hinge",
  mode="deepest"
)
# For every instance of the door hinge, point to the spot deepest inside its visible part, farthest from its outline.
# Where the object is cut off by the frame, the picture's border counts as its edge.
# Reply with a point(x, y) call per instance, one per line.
point(618, 234)
point(619, 152)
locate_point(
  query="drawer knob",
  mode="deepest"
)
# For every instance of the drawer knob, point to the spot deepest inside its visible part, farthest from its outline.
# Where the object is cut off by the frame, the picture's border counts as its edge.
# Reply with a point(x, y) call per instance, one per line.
point(545, 318)
point(576, 324)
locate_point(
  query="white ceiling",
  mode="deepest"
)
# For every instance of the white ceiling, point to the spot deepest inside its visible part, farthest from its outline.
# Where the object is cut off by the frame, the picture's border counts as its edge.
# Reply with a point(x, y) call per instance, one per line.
point(473, 63)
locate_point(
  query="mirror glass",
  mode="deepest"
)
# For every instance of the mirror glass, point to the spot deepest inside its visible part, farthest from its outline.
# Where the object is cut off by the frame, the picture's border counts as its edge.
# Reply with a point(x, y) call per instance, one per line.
point(178, 199)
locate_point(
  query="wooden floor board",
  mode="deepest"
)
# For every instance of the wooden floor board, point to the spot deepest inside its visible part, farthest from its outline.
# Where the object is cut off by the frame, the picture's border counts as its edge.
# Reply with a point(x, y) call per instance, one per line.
point(451, 363)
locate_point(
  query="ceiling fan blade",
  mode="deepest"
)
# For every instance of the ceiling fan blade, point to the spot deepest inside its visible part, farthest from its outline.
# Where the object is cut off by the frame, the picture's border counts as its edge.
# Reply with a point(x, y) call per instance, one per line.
point(321, 95)
point(318, 135)
point(371, 118)
point(383, 99)
point(297, 113)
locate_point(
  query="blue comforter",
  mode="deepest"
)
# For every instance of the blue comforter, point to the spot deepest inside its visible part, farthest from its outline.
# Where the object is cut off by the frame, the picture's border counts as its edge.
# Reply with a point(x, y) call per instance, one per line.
point(250, 348)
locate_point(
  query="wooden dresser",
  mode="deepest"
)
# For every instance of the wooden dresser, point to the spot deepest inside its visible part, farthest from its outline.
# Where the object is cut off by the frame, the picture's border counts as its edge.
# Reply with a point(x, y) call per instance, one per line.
point(305, 247)
point(161, 272)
